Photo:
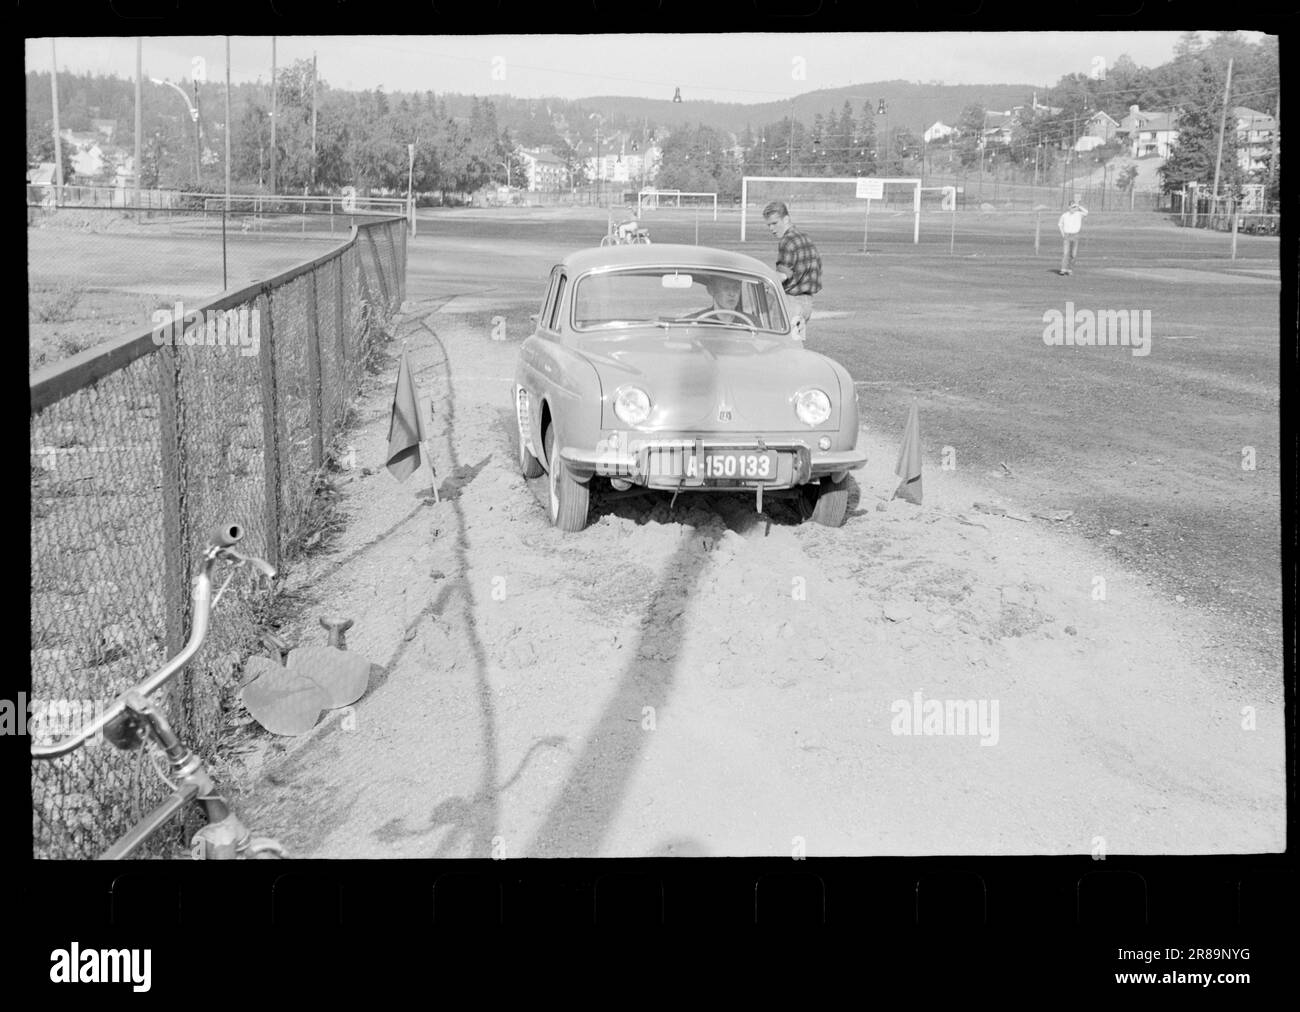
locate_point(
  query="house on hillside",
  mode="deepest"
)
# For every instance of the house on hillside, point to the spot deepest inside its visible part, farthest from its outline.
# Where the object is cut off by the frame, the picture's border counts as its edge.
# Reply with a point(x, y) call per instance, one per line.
point(1254, 137)
point(1098, 129)
point(1149, 134)
point(1100, 125)
point(998, 127)
point(86, 153)
point(620, 161)
point(106, 128)
point(546, 170)
point(40, 184)
point(938, 131)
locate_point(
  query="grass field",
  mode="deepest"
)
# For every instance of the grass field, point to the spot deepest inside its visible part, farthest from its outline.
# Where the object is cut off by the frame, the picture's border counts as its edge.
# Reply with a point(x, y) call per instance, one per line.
point(85, 287)
point(1151, 447)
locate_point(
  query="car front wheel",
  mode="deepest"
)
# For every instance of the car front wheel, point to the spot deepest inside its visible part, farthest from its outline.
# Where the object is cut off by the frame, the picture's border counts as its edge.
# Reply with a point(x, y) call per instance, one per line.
point(569, 498)
point(829, 501)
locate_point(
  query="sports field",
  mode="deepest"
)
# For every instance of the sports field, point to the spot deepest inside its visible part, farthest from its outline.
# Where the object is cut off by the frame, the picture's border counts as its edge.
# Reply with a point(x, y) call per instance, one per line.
point(97, 276)
point(1150, 447)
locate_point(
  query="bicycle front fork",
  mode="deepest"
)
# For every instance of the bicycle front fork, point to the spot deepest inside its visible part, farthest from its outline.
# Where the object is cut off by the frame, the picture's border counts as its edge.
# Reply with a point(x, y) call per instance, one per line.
point(225, 837)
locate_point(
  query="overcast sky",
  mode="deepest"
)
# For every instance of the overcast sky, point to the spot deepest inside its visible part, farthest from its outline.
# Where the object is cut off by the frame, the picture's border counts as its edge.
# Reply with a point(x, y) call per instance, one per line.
point(725, 68)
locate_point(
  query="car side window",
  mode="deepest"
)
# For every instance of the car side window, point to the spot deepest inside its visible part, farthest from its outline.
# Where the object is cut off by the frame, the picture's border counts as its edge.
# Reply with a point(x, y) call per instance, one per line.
point(554, 321)
point(548, 305)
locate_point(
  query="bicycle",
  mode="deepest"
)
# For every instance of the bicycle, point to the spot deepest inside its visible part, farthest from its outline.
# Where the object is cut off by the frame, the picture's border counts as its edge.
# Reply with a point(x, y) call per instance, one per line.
point(133, 720)
point(627, 233)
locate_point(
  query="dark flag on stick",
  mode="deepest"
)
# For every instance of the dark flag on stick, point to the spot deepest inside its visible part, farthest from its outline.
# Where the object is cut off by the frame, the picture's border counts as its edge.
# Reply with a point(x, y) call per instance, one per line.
point(909, 460)
point(406, 430)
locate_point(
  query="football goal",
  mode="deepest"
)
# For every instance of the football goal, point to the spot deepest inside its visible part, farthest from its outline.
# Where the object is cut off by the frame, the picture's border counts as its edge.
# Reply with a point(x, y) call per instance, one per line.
point(676, 200)
point(889, 209)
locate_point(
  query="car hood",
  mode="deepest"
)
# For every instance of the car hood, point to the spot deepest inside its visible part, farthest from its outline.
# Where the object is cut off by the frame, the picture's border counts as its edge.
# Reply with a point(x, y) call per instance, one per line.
point(697, 375)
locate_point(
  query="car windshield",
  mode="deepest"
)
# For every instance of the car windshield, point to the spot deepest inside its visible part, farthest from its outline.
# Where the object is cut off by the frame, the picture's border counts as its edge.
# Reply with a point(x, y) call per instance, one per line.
point(707, 298)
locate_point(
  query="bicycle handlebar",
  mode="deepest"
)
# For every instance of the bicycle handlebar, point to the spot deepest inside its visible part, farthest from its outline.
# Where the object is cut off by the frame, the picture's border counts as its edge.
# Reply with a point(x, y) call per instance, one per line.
point(220, 542)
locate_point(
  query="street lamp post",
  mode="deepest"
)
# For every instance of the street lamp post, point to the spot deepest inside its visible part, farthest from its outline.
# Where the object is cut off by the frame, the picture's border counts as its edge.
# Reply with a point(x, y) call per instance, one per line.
point(194, 115)
point(410, 185)
point(599, 120)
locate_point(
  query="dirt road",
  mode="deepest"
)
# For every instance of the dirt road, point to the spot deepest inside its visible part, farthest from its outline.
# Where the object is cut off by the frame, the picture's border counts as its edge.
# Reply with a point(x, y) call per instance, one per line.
point(925, 680)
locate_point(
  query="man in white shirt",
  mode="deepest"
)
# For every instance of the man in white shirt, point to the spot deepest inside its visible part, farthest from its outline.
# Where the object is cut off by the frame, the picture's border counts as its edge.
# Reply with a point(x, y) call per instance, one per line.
point(1070, 225)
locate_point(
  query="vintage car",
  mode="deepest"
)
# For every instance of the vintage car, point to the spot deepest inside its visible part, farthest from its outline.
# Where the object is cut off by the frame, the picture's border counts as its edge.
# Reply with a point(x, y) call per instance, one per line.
point(680, 368)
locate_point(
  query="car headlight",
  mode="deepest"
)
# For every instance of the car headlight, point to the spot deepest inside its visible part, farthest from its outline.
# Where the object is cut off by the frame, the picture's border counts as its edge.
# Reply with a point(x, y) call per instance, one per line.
point(632, 405)
point(812, 406)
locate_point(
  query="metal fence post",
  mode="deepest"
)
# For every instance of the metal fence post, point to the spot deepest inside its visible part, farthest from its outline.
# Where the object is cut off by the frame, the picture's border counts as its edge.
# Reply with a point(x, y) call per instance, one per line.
point(314, 389)
point(177, 560)
point(270, 434)
point(379, 269)
point(400, 231)
point(338, 318)
point(174, 518)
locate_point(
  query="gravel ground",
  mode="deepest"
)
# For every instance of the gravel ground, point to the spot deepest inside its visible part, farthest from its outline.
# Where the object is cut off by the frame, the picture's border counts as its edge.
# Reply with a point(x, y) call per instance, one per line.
point(699, 682)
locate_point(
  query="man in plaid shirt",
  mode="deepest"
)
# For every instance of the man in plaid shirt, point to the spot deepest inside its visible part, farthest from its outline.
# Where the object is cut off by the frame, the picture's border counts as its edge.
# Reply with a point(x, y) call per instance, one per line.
point(797, 260)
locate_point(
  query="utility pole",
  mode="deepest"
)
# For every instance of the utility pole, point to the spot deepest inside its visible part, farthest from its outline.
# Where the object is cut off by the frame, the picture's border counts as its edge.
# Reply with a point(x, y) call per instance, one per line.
point(922, 154)
point(225, 283)
point(58, 143)
point(273, 116)
point(313, 120)
point(198, 139)
point(790, 139)
point(227, 124)
point(1223, 122)
point(1272, 162)
point(983, 140)
point(139, 91)
point(410, 183)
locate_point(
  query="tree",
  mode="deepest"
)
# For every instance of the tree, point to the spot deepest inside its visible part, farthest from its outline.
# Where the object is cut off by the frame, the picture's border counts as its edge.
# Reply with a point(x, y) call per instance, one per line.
point(842, 131)
point(575, 167)
point(40, 148)
point(699, 159)
point(970, 125)
point(250, 148)
point(293, 87)
point(1188, 45)
point(1194, 154)
point(903, 145)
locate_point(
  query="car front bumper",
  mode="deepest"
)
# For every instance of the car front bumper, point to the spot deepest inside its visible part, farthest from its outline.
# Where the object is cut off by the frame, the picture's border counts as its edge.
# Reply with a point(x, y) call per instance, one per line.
point(676, 463)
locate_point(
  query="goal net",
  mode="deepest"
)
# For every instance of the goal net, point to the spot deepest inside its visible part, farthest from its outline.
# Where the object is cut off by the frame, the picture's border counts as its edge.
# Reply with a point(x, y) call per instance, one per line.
point(833, 207)
point(677, 200)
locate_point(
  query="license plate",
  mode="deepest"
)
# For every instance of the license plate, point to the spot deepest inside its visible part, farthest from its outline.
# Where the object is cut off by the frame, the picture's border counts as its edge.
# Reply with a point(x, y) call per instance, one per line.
point(732, 466)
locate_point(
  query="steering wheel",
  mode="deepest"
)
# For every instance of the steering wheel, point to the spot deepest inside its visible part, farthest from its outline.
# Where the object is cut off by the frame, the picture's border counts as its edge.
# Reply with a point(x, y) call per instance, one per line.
point(725, 312)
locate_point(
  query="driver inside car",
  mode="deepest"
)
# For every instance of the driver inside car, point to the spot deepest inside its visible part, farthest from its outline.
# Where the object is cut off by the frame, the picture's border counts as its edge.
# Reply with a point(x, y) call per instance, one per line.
point(726, 302)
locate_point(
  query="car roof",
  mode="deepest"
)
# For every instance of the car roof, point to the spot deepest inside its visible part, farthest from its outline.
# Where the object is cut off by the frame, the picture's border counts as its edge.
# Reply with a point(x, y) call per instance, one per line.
point(679, 255)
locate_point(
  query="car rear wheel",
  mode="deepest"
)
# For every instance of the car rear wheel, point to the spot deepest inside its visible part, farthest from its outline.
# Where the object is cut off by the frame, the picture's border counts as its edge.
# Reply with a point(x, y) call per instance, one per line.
point(529, 465)
point(829, 501)
point(569, 498)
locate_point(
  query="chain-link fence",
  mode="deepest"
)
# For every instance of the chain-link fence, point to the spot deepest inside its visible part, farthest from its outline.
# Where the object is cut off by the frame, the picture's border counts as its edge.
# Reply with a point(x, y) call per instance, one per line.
point(139, 447)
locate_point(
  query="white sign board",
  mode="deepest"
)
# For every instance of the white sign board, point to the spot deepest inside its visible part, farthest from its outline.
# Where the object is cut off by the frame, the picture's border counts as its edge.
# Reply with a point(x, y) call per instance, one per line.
point(871, 189)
